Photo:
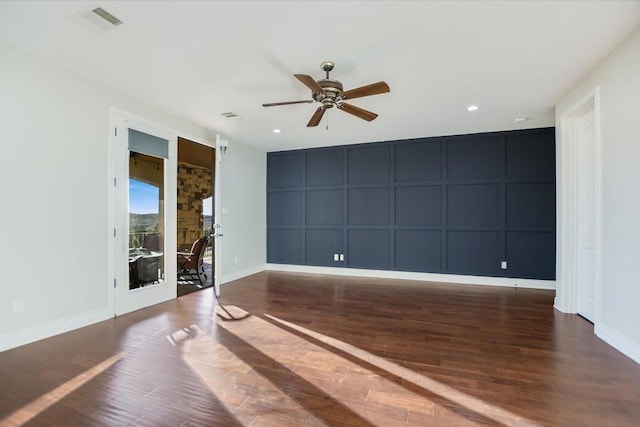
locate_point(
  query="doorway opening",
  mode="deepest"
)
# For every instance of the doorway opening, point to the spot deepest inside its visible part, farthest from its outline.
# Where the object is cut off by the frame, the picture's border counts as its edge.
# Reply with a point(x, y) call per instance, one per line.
point(195, 219)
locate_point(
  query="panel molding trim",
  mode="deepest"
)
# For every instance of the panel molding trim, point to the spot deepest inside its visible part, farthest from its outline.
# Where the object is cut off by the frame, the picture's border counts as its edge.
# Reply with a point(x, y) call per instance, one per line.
point(492, 196)
point(426, 277)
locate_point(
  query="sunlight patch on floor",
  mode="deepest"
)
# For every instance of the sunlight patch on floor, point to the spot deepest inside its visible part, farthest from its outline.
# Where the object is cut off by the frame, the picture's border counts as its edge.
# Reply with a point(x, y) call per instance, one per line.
point(478, 406)
point(245, 393)
point(36, 407)
point(264, 374)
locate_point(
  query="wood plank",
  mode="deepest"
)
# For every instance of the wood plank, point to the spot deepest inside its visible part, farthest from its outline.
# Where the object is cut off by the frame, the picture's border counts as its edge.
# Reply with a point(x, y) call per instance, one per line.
point(195, 154)
point(334, 351)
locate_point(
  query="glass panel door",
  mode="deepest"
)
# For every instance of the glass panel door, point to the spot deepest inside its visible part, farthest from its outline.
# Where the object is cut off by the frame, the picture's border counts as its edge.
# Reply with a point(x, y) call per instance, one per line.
point(146, 220)
point(144, 215)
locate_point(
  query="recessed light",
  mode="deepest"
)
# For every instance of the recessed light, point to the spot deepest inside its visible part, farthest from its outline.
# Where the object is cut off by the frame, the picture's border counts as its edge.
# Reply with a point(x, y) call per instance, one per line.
point(276, 131)
point(520, 119)
point(472, 108)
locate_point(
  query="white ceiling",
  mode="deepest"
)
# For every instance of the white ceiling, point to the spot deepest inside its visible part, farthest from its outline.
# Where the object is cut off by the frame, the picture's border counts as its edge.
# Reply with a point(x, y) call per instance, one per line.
point(200, 59)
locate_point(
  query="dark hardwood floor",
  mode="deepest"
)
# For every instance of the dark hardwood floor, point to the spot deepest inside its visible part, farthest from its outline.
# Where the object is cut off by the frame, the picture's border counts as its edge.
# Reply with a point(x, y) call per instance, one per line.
point(284, 349)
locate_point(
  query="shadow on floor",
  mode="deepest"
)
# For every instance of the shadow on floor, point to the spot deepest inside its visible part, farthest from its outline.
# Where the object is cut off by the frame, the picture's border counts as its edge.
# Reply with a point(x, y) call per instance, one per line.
point(187, 284)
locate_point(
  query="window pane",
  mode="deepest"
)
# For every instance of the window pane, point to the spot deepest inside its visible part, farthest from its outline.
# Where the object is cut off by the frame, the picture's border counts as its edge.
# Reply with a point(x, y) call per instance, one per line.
point(146, 220)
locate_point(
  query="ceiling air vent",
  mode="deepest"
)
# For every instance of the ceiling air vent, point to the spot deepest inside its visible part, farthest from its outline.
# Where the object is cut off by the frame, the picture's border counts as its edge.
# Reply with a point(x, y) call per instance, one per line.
point(96, 19)
point(106, 16)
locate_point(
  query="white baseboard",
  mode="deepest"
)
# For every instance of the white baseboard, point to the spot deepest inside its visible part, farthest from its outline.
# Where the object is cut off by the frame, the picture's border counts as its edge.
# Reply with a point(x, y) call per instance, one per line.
point(429, 277)
point(36, 333)
point(618, 341)
point(235, 275)
point(558, 304)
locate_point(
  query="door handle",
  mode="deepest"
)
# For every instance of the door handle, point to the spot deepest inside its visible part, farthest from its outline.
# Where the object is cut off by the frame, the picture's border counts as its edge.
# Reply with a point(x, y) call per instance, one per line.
point(218, 235)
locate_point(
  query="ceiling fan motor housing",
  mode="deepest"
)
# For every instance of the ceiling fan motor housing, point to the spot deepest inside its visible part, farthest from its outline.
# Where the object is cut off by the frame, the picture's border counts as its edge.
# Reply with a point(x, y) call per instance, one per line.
point(331, 91)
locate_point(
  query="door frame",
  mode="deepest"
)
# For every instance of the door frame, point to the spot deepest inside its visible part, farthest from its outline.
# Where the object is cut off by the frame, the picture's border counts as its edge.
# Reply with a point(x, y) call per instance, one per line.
point(119, 121)
point(220, 149)
point(567, 198)
point(142, 297)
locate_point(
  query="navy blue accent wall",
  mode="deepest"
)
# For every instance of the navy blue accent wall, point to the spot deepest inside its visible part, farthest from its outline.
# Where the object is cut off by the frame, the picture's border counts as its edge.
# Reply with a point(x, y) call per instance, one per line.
point(456, 205)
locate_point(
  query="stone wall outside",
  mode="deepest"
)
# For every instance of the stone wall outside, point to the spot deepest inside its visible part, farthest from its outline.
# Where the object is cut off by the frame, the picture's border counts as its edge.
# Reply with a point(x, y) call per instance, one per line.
point(195, 184)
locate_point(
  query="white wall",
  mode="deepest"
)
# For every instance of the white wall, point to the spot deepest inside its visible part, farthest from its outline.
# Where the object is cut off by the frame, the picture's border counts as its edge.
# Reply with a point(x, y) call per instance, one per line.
point(54, 214)
point(244, 211)
point(618, 77)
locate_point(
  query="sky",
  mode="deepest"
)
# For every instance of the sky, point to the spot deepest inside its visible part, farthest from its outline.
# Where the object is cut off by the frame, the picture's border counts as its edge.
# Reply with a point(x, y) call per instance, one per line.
point(207, 207)
point(143, 198)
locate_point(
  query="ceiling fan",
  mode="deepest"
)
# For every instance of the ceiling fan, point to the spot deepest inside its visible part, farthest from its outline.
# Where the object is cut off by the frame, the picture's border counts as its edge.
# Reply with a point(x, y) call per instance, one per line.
point(330, 94)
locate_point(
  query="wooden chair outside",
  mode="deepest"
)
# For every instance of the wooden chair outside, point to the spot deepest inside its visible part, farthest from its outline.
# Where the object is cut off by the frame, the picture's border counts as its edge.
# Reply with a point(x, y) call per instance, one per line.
point(191, 263)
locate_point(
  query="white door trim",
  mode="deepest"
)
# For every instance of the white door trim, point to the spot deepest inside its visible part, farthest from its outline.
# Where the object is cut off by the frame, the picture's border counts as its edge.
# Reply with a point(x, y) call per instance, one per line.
point(221, 148)
point(567, 206)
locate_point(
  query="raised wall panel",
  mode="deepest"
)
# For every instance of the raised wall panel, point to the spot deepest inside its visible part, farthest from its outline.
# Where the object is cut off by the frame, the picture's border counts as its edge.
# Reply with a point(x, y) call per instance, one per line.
point(418, 161)
point(325, 207)
point(531, 255)
point(531, 155)
point(284, 208)
point(325, 167)
point(418, 205)
point(473, 204)
point(321, 245)
point(457, 205)
point(369, 165)
point(368, 206)
point(284, 246)
point(418, 250)
point(475, 157)
point(285, 170)
point(531, 204)
point(474, 252)
point(368, 249)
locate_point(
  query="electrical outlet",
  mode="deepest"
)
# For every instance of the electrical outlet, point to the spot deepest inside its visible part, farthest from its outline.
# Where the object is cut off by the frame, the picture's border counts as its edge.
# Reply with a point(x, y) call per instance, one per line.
point(336, 257)
point(18, 306)
point(503, 265)
point(341, 257)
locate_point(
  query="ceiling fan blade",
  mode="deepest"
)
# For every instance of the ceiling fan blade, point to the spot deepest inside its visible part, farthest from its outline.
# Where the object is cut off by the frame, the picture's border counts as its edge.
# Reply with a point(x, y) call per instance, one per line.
point(368, 90)
point(309, 82)
point(357, 111)
point(317, 116)
point(274, 104)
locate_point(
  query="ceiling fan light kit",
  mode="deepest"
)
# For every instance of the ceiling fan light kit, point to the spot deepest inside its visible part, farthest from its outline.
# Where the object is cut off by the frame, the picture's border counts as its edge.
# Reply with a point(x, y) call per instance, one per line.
point(330, 93)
